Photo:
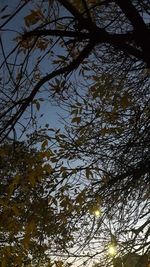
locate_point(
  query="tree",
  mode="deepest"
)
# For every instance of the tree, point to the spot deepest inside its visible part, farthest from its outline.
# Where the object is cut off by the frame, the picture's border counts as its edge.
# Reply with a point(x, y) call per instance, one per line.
point(32, 200)
point(133, 260)
point(107, 144)
point(92, 57)
point(109, 29)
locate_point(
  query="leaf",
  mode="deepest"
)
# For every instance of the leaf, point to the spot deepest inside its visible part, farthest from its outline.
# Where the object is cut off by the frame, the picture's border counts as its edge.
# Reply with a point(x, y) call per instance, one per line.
point(76, 120)
point(32, 179)
point(13, 185)
point(88, 173)
point(15, 210)
point(37, 105)
point(124, 102)
point(4, 262)
point(59, 263)
point(48, 168)
point(80, 198)
point(63, 172)
point(41, 99)
point(33, 17)
point(42, 44)
point(104, 131)
point(74, 111)
point(44, 144)
point(54, 159)
point(62, 136)
point(29, 229)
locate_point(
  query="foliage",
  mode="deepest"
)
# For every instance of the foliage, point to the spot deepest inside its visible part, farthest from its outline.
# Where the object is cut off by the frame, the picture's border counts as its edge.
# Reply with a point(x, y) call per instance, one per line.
point(66, 35)
point(33, 218)
point(92, 59)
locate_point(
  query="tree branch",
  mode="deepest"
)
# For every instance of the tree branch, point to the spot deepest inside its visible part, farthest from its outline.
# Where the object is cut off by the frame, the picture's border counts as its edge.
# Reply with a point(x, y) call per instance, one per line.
point(80, 35)
point(65, 70)
point(142, 33)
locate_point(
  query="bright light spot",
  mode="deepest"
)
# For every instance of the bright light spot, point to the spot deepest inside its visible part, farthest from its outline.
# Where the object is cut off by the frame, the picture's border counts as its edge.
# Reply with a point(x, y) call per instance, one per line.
point(97, 213)
point(112, 250)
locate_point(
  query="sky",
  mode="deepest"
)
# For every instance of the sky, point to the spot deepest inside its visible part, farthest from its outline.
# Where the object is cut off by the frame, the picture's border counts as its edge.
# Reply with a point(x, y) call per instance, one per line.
point(48, 113)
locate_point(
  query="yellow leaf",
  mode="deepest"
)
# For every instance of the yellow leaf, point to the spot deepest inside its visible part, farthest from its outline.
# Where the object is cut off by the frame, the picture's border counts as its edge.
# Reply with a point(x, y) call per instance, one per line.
point(104, 131)
point(48, 168)
point(26, 241)
point(44, 144)
point(37, 105)
point(33, 17)
point(88, 173)
point(124, 102)
point(30, 227)
point(4, 262)
point(13, 185)
point(32, 179)
point(15, 210)
point(59, 263)
point(77, 120)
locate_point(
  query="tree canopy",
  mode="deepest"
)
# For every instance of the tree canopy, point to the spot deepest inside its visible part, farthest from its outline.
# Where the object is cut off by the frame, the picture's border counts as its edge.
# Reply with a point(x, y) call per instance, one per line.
point(74, 191)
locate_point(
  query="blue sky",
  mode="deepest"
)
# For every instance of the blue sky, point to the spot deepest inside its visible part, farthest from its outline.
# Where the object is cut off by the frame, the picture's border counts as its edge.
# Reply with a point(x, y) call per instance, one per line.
point(49, 112)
